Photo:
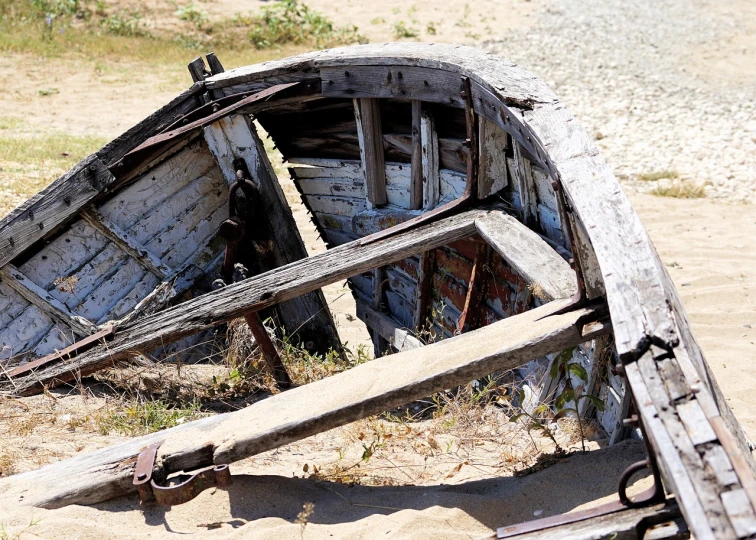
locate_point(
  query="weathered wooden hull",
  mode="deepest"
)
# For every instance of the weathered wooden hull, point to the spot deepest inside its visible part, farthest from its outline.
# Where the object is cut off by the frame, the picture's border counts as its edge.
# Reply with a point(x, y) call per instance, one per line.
point(376, 136)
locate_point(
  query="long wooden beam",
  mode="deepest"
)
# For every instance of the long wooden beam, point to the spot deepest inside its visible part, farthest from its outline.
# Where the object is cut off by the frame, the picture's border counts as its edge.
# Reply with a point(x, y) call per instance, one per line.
point(365, 390)
point(528, 255)
point(253, 294)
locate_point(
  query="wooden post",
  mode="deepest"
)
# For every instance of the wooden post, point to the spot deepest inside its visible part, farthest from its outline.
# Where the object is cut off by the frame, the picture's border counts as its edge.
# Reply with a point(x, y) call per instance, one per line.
point(269, 351)
point(416, 168)
point(430, 159)
point(367, 113)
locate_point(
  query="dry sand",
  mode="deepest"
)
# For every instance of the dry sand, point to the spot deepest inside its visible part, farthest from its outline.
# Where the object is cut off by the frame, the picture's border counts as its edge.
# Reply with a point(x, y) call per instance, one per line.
point(706, 247)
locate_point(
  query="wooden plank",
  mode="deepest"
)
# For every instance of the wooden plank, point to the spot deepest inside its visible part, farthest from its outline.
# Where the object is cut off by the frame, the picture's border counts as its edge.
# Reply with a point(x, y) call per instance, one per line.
point(126, 243)
point(550, 275)
point(365, 390)
point(399, 338)
point(306, 318)
point(493, 159)
point(52, 206)
point(525, 186)
point(365, 82)
point(740, 512)
point(367, 113)
point(257, 293)
point(430, 160)
point(197, 69)
point(49, 305)
point(416, 185)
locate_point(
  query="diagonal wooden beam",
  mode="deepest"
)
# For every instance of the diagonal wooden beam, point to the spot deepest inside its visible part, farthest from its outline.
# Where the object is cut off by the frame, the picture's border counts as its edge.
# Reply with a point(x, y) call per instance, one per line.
point(528, 255)
point(254, 294)
point(124, 241)
point(365, 390)
point(51, 306)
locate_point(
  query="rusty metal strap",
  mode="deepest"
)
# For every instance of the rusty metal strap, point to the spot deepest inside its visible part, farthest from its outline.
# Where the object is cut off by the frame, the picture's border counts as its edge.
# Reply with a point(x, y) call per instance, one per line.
point(64, 354)
point(149, 490)
point(209, 119)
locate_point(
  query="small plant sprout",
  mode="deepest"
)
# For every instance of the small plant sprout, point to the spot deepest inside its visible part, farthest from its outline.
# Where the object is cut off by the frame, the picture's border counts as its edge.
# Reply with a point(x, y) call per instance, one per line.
point(564, 366)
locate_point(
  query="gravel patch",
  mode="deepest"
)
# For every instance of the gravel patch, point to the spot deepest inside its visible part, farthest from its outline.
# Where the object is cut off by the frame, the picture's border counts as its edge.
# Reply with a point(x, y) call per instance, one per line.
point(623, 68)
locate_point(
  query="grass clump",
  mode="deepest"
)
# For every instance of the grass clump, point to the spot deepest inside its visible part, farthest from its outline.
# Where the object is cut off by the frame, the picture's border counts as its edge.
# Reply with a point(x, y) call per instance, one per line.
point(402, 30)
point(681, 190)
point(289, 22)
point(142, 417)
point(658, 175)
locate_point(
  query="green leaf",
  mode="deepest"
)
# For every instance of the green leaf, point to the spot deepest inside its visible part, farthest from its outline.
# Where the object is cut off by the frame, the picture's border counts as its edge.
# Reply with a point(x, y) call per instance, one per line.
point(542, 409)
point(536, 425)
point(578, 370)
point(554, 371)
point(595, 401)
point(516, 417)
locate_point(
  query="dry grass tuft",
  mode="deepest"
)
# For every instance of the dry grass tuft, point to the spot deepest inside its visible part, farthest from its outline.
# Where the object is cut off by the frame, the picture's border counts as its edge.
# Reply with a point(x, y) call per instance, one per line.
point(658, 175)
point(681, 190)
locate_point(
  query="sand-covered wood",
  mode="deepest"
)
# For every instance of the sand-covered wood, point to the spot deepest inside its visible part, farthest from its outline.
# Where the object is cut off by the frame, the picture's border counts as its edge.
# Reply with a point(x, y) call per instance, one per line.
point(525, 251)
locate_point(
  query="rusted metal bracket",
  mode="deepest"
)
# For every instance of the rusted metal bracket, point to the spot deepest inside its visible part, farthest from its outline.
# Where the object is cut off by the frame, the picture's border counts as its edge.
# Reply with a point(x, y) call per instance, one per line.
point(65, 354)
point(150, 491)
point(654, 494)
point(233, 230)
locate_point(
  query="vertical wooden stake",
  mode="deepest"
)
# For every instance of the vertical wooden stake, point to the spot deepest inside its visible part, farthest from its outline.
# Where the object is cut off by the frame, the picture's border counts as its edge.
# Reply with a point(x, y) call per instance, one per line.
point(367, 113)
point(269, 351)
point(416, 180)
point(423, 298)
point(430, 160)
point(471, 312)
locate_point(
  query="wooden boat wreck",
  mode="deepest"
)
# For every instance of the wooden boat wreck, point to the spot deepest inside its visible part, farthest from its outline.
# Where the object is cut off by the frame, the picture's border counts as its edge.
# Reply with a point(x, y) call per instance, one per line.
point(439, 176)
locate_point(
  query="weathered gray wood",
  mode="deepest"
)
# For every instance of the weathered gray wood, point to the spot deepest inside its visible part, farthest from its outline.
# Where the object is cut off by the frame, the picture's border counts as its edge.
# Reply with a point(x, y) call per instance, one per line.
point(126, 243)
point(430, 160)
point(50, 305)
point(306, 318)
point(493, 160)
point(331, 402)
point(52, 206)
point(696, 490)
point(254, 294)
point(621, 525)
point(416, 184)
point(367, 113)
point(400, 338)
point(521, 172)
point(550, 275)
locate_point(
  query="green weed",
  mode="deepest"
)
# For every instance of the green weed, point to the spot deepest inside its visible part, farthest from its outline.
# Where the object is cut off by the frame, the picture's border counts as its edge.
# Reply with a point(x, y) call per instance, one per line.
point(291, 22)
point(139, 418)
point(401, 30)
